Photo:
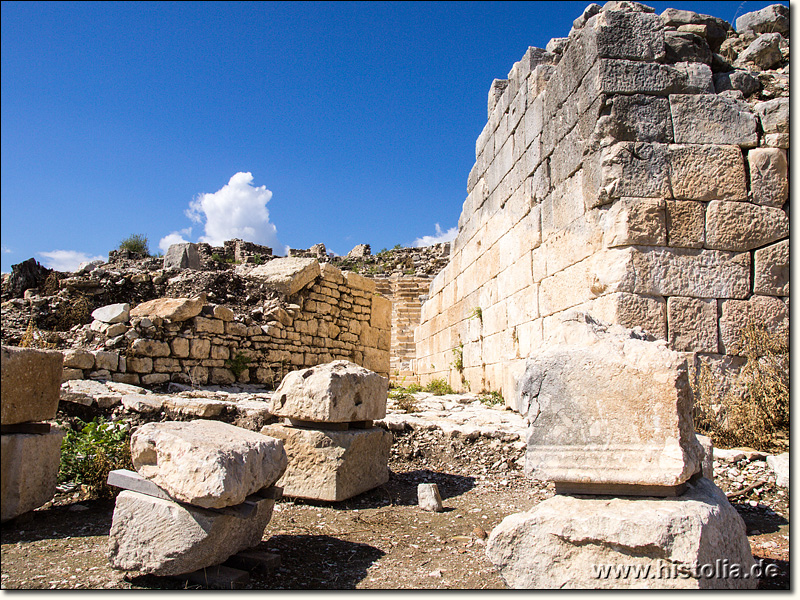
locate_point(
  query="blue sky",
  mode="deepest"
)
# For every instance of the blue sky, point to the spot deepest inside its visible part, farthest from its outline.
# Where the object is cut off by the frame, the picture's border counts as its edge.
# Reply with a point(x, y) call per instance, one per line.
point(356, 121)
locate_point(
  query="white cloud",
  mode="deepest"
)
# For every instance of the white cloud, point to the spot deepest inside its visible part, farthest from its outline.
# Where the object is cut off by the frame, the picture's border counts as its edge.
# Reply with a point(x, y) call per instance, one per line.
point(66, 260)
point(439, 238)
point(238, 210)
point(176, 237)
point(7, 250)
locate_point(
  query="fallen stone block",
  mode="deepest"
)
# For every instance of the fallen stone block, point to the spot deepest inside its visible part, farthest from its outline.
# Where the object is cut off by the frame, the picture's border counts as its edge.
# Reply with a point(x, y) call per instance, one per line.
point(182, 256)
point(141, 403)
point(161, 537)
point(87, 392)
point(693, 541)
point(287, 275)
point(113, 313)
point(771, 18)
point(30, 385)
point(764, 52)
point(29, 470)
point(173, 309)
point(332, 465)
point(206, 463)
point(428, 497)
point(608, 408)
point(779, 464)
point(335, 392)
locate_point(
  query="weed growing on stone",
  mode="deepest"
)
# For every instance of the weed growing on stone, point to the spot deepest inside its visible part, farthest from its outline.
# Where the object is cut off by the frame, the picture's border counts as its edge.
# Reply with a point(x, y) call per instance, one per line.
point(238, 364)
point(491, 398)
point(403, 400)
point(439, 387)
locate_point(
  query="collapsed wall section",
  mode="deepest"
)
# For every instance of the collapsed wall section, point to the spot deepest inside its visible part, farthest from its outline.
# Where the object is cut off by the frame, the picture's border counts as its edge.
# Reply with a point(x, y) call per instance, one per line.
point(612, 179)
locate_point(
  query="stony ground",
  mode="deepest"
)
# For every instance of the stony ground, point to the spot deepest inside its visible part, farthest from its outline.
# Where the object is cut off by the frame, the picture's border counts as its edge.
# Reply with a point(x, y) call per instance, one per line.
point(380, 539)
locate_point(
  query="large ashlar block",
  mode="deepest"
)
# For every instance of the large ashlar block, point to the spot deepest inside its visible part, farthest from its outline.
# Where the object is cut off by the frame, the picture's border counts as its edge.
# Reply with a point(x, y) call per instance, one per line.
point(629, 310)
point(332, 465)
point(607, 407)
point(29, 471)
point(610, 76)
point(627, 169)
point(206, 463)
point(712, 119)
point(172, 309)
point(636, 221)
point(772, 270)
point(336, 392)
point(686, 224)
point(769, 180)
point(287, 275)
point(638, 118)
point(741, 226)
point(692, 324)
point(624, 34)
point(570, 245)
point(706, 172)
point(381, 315)
point(669, 543)
point(763, 312)
point(182, 256)
point(161, 537)
point(31, 382)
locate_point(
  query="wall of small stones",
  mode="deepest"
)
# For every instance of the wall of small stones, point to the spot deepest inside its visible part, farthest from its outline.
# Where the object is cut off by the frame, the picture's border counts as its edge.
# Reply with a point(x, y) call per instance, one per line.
point(336, 316)
point(625, 171)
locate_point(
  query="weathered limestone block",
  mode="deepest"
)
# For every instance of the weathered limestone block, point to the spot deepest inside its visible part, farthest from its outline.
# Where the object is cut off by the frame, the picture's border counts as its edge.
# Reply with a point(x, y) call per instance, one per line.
point(630, 310)
point(332, 465)
point(203, 325)
point(113, 313)
point(376, 360)
point(287, 275)
point(712, 119)
point(687, 272)
point(744, 81)
point(336, 392)
point(220, 376)
point(29, 470)
point(623, 34)
point(767, 312)
point(199, 408)
point(182, 256)
point(773, 18)
point(381, 315)
point(686, 224)
point(139, 364)
point(180, 347)
point(764, 52)
point(561, 542)
point(779, 464)
point(173, 309)
point(627, 169)
point(686, 46)
point(160, 537)
point(632, 221)
point(78, 358)
point(692, 324)
point(206, 463)
point(634, 77)
point(774, 115)
point(115, 329)
point(607, 407)
point(222, 312)
point(769, 180)
point(87, 392)
point(638, 118)
point(151, 348)
point(199, 348)
point(772, 270)
point(705, 172)
point(106, 360)
point(31, 380)
point(741, 226)
point(428, 497)
point(141, 403)
point(716, 29)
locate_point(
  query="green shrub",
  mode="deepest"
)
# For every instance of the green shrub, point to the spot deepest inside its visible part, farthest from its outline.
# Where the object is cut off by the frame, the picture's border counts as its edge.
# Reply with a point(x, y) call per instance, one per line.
point(491, 398)
point(90, 453)
point(238, 363)
point(136, 243)
point(439, 387)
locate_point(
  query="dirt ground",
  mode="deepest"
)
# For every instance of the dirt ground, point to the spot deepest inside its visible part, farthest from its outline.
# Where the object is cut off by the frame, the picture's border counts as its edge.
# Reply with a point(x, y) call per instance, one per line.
point(378, 540)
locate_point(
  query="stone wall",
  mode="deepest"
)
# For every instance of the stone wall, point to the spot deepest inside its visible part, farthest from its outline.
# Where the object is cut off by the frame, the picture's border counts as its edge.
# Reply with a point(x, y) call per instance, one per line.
point(612, 178)
point(333, 316)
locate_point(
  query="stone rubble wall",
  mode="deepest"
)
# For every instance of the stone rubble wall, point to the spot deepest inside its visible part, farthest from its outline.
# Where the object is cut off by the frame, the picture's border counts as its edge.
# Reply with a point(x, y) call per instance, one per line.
point(334, 316)
point(612, 178)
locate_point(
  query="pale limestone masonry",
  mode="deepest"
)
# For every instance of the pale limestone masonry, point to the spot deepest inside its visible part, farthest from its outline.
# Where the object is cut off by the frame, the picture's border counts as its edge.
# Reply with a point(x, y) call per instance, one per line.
point(612, 179)
point(329, 315)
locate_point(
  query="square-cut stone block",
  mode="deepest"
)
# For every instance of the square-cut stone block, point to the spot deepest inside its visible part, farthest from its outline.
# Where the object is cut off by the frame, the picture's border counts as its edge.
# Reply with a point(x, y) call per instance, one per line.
point(692, 324)
point(31, 380)
point(332, 465)
point(29, 470)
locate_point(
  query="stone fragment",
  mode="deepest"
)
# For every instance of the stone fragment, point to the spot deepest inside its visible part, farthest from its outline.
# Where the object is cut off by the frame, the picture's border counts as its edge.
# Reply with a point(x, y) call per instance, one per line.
point(113, 313)
point(772, 270)
point(684, 46)
point(360, 251)
point(773, 18)
point(588, 12)
point(335, 392)
point(706, 172)
point(115, 329)
point(763, 312)
point(87, 392)
point(78, 358)
point(223, 313)
point(774, 115)
point(29, 470)
point(629, 406)
point(182, 256)
point(206, 463)
point(716, 29)
point(708, 456)
point(686, 224)
point(428, 497)
point(744, 81)
point(106, 360)
point(632, 221)
point(151, 348)
point(769, 181)
point(764, 52)
point(712, 119)
point(31, 380)
point(779, 464)
point(141, 403)
point(741, 226)
point(332, 465)
point(287, 275)
point(692, 324)
point(160, 537)
point(173, 309)
point(678, 539)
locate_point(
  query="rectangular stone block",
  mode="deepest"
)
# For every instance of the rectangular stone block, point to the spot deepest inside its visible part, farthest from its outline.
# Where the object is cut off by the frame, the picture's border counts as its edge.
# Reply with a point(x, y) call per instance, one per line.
point(772, 270)
point(31, 380)
point(381, 313)
point(630, 310)
point(742, 226)
point(29, 471)
point(765, 312)
point(636, 221)
point(622, 34)
point(287, 275)
point(626, 169)
point(692, 324)
point(712, 119)
point(201, 324)
point(705, 172)
point(769, 180)
point(640, 118)
point(331, 465)
point(686, 224)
